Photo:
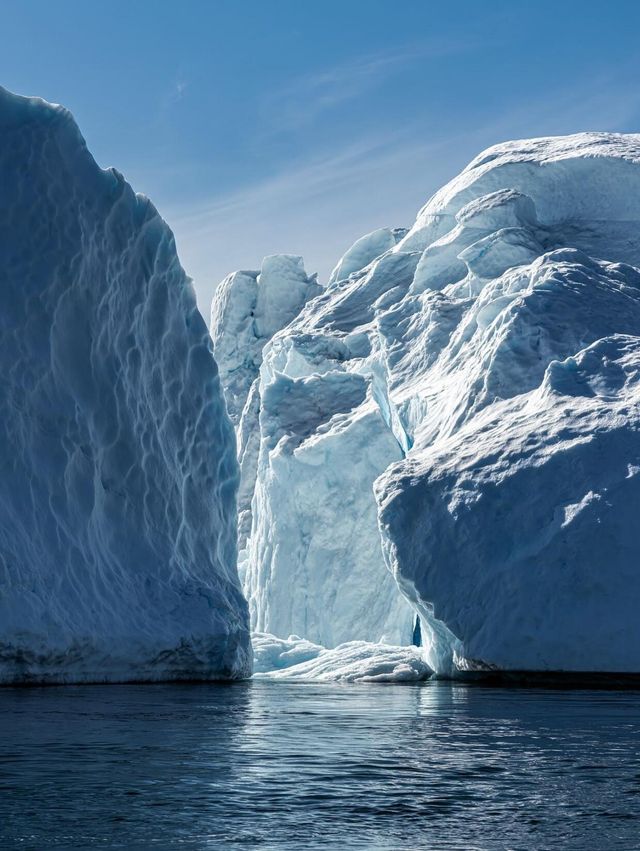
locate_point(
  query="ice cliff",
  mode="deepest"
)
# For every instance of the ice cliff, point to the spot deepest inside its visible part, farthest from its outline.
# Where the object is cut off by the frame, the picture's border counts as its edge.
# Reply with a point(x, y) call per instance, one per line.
point(450, 427)
point(312, 440)
point(118, 470)
point(247, 310)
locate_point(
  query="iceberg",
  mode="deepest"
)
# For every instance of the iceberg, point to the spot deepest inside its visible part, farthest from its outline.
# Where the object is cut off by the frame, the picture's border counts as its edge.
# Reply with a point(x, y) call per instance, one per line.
point(448, 430)
point(119, 471)
point(516, 537)
point(510, 363)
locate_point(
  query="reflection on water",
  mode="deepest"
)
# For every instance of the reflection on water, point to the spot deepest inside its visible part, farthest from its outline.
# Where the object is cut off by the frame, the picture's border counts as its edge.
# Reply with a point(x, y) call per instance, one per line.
point(302, 766)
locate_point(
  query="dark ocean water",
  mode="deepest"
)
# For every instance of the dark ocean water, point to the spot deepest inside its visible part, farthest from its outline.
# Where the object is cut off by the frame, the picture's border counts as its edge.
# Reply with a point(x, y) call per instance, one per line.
point(303, 766)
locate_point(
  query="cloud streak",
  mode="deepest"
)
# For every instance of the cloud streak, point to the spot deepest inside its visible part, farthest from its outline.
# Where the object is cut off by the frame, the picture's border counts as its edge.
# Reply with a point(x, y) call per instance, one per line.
point(315, 209)
point(306, 98)
point(319, 206)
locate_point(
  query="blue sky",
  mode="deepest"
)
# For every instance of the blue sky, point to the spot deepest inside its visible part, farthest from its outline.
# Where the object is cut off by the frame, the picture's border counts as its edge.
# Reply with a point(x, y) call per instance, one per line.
point(278, 126)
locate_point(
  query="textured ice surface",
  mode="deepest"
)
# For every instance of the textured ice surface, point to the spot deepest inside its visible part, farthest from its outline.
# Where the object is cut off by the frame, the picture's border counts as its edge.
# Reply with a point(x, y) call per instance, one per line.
point(365, 250)
point(481, 371)
point(271, 653)
point(314, 563)
point(310, 438)
point(518, 534)
point(247, 310)
point(355, 661)
point(508, 524)
point(118, 469)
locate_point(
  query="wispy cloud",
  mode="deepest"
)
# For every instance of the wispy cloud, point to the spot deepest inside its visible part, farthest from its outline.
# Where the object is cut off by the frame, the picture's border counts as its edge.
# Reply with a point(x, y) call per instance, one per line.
point(307, 180)
point(318, 206)
point(174, 94)
point(606, 102)
point(179, 89)
point(315, 209)
point(310, 95)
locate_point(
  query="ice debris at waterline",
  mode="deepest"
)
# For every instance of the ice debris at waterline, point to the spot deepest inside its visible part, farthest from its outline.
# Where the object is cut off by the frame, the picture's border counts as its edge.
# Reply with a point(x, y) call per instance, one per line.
point(453, 428)
point(296, 658)
point(117, 533)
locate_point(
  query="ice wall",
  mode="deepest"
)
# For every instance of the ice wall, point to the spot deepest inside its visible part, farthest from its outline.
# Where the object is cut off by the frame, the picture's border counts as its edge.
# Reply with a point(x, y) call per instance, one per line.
point(313, 562)
point(118, 469)
point(247, 310)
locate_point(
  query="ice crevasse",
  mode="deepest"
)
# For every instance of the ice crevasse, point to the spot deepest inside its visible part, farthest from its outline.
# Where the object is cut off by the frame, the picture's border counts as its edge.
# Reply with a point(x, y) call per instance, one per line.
point(118, 473)
point(449, 428)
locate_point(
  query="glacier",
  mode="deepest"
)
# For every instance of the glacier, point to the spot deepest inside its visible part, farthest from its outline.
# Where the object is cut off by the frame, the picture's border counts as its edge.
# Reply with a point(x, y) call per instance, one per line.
point(448, 429)
point(118, 460)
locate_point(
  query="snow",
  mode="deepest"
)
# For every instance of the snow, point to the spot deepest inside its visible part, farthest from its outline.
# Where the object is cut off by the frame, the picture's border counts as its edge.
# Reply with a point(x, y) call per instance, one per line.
point(119, 476)
point(353, 662)
point(450, 427)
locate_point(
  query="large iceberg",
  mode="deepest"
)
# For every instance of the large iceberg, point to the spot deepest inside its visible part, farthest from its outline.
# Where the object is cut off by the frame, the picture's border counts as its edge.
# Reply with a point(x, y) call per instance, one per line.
point(451, 428)
point(512, 364)
point(516, 538)
point(118, 469)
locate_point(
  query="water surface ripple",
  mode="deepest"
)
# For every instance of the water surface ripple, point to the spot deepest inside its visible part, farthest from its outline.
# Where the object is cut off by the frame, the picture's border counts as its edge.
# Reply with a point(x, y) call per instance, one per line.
point(306, 766)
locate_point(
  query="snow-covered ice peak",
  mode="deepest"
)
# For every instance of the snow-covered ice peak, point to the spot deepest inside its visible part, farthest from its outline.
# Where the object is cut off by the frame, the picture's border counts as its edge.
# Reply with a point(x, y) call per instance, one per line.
point(584, 189)
point(479, 370)
point(117, 530)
